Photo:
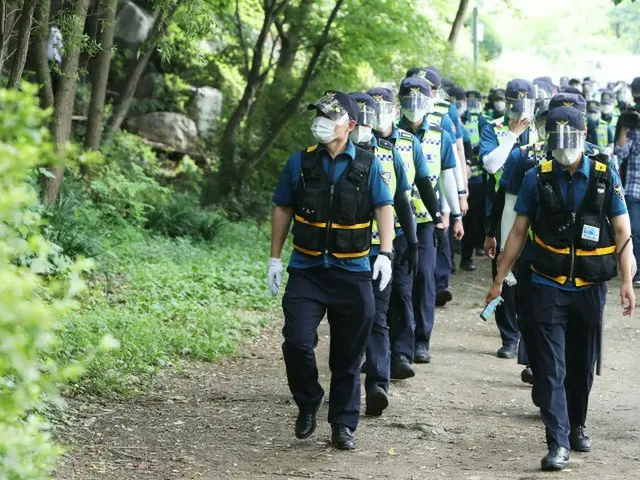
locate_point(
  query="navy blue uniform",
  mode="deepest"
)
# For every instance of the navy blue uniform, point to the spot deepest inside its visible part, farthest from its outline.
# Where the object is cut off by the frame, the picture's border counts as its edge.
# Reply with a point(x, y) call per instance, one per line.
point(342, 289)
point(565, 317)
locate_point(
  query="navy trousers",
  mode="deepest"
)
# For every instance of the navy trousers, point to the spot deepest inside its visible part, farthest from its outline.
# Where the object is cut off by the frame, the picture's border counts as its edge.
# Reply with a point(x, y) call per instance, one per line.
point(526, 348)
point(565, 327)
point(347, 299)
point(444, 264)
point(506, 313)
point(473, 221)
point(424, 286)
point(378, 358)
point(401, 320)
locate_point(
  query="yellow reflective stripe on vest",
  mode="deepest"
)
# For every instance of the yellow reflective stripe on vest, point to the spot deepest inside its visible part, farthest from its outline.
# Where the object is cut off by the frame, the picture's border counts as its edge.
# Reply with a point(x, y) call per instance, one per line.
point(351, 255)
point(351, 227)
point(314, 224)
point(561, 251)
point(563, 279)
point(313, 253)
point(595, 252)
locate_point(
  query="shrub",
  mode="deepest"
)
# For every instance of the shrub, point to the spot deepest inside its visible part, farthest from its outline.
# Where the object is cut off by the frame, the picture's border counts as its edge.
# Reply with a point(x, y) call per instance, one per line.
point(30, 306)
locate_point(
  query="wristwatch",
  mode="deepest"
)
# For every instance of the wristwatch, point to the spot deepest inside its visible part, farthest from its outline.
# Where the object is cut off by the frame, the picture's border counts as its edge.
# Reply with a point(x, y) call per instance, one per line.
point(389, 255)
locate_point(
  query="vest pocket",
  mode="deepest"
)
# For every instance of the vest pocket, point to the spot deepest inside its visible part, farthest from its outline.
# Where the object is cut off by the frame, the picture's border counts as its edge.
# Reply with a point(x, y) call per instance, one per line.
point(351, 240)
point(308, 237)
point(347, 207)
point(597, 268)
point(550, 263)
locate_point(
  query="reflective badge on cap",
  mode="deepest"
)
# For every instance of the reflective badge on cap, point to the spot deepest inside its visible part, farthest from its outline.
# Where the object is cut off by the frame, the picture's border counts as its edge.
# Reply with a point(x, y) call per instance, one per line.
point(619, 190)
point(590, 233)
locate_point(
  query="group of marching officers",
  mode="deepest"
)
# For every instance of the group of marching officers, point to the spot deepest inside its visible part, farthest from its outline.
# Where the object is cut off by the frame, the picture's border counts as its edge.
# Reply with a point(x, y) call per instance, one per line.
point(391, 185)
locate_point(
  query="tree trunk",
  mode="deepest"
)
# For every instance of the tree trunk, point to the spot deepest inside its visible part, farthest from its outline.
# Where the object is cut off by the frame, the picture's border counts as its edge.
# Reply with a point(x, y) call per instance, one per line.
point(135, 73)
point(229, 135)
point(292, 106)
point(24, 34)
point(457, 22)
point(10, 11)
point(39, 53)
point(100, 74)
point(63, 106)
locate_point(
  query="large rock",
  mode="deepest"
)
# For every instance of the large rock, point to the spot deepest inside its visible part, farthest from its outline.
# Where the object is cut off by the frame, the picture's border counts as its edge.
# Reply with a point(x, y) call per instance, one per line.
point(133, 23)
point(172, 129)
point(205, 109)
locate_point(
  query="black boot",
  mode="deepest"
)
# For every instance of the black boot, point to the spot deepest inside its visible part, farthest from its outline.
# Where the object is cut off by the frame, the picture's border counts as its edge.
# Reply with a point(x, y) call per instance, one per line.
point(422, 355)
point(527, 376)
point(579, 440)
point(443, 297)
point(468, 265)
point(507, 351)
point(401, 368)
point(556, 459)
point(377, 401)
point(342, 437)
point(306, 421)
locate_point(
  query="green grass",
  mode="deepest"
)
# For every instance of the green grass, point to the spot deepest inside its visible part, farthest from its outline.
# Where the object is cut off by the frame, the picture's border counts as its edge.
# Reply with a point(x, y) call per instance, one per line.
point(164, 299)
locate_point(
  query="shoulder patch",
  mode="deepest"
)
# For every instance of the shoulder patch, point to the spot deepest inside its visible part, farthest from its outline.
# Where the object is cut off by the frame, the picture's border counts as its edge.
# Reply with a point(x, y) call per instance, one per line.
point(600, 167)
point(384, 143)
point(405, 135)
point(619, 191)
point(311, 148)
point(386, 177)
point(546, 167)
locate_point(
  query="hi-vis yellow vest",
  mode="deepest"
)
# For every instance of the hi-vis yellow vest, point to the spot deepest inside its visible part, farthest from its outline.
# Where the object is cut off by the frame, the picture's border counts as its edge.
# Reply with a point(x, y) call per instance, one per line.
point(432, 152)
point(384, 154)
point(602, 133)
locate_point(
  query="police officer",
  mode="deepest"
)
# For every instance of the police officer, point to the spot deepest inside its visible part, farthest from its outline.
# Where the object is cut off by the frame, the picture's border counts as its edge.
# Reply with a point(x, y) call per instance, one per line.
point(497, 139)
point(473, 119)
point(332, 191)
point(496, 104)
point(401, 319)
point(437, 146)
point(599, 132)
point(377, 364)
point(581, 233)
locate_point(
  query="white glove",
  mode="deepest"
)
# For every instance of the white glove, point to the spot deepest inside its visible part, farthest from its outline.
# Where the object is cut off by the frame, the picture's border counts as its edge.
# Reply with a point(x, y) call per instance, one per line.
point(382, 269)
point(274, 275)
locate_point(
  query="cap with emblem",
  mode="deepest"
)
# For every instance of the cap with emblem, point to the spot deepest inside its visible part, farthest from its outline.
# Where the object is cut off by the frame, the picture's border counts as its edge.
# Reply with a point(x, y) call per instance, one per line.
point(432, 76)
point(385, 107)
point(498, 94)
point(593, 106)
point(568, 100)
point(337, 106)
point(416, 72)
point(415, 95)
point(367, 108)
point(521, 99)
point(565, 128)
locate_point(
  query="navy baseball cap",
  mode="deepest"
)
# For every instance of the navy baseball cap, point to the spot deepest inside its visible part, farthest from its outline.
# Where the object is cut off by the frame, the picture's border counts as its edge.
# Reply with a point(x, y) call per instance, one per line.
point(474, 94)
point(335, 104)
point(367, 108)
point(568, 100)
point(572, 90)
point(415, 84)
point(607, 97)
point(448, 83)
point(457, 93)
point(381, 94)
point(635, 86)
point(519, 89)
point(498, 94)
point(416, 72)
point(565, 128)
point(432, 76)
point(574, 81)
point(543, 79)
point(544, 88)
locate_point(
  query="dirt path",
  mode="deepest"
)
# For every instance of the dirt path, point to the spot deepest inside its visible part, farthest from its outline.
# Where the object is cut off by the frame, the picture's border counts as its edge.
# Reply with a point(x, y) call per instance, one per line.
point(465, 416)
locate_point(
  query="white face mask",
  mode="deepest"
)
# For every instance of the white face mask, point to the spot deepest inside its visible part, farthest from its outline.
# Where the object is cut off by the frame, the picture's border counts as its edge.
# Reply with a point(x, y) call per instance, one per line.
point(500, 105)
point(361, 134)
point(323, 129)
point(566, 156)
point(384, 122)
point(414, 115)
point(462, 109)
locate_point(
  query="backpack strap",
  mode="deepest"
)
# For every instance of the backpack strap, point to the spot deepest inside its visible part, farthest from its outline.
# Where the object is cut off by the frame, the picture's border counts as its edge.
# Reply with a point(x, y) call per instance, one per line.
point(310, 164)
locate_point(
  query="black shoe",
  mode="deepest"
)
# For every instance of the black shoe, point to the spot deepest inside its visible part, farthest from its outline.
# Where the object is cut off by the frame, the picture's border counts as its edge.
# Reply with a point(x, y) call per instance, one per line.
point(442, 297)
point(401, 368)
point(527, 376)
point(468, 265)
point(507, 351)
point(480, 252)
point(377, 401)
point(342, 437)
point(556, 459)
point(422, 355)
point(579, 440)
point(306, 422)
point(534, 396)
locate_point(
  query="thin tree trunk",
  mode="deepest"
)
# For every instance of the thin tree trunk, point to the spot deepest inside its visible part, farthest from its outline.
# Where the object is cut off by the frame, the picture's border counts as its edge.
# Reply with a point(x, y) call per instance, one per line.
point(457, 22)
point(39, 52)
point(10, 17)
point(22, 49)
point(100, 74)
point(292, 106)
point(135, 73)
point(63, 106)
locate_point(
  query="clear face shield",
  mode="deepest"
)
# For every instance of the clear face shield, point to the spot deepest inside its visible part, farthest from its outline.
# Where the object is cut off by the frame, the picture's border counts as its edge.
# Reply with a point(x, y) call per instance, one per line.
point(332, 109)
point(415, 106)
point(384, 115)
point(474, 105)
point(564, 137)
point(366, 116)
point(521, 108)
point(440, 95)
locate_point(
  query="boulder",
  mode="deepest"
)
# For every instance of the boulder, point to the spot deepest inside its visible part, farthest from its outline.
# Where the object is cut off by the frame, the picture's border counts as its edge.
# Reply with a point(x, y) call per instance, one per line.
point(133, 23)
point(205, 109)
point(168, 128)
